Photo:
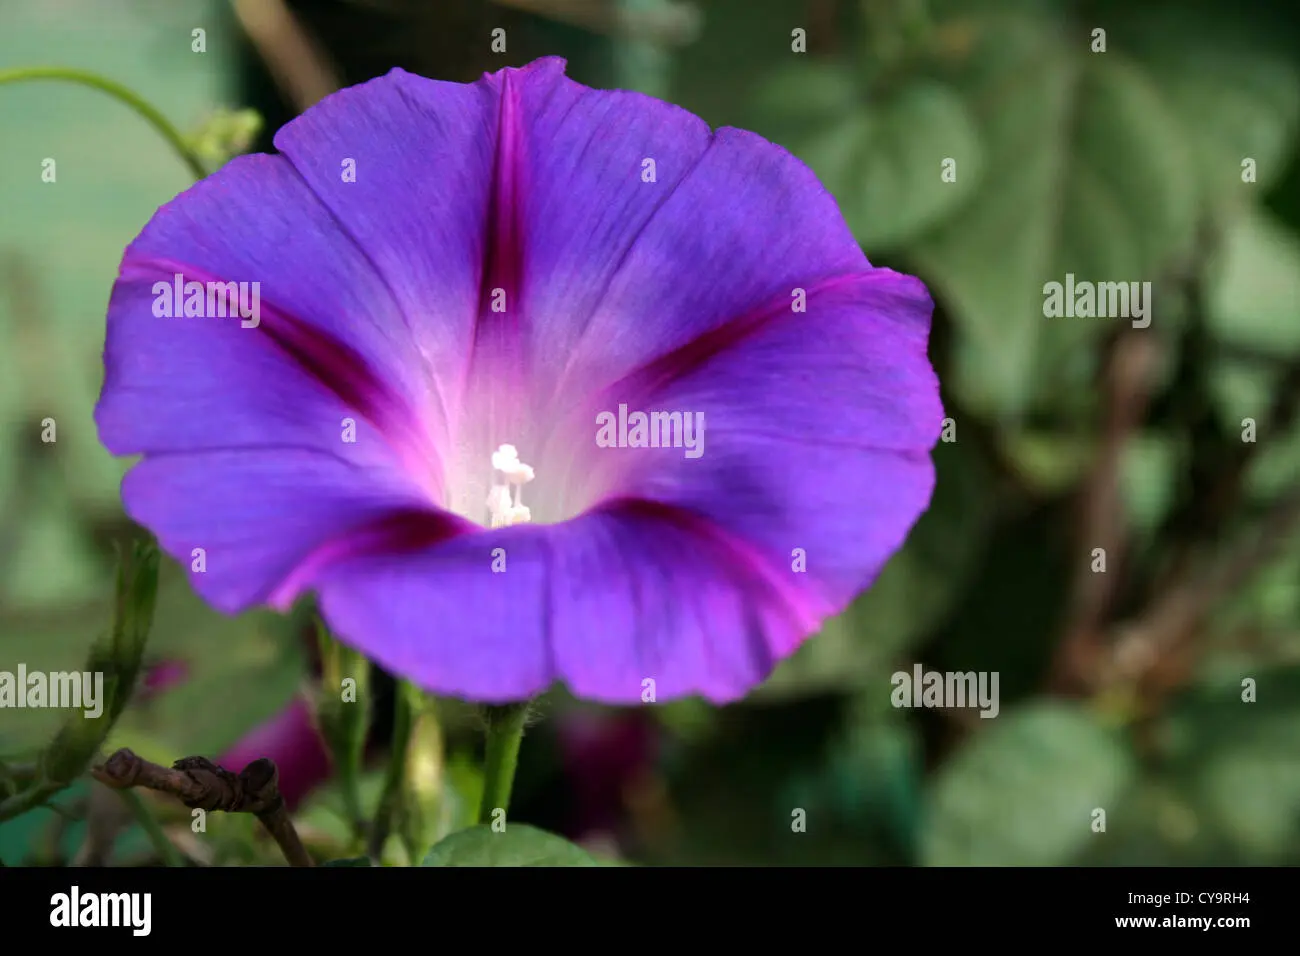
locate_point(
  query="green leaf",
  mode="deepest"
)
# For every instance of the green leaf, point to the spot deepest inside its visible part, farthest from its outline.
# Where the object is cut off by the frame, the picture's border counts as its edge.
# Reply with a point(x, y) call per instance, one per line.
point(1087, 174)
point(880, 157)
point(1254, 285)
point(1241, 390)
point(874, 777)
point(1051, 461)
point(351, 861)
point(1234, 98)
point(1023, 791)
point(1149, 471)
point(1228, 788)
point(1156, 824)
point(1244, 390)
point(819, 792)
point(518, 845)
point(715, 76)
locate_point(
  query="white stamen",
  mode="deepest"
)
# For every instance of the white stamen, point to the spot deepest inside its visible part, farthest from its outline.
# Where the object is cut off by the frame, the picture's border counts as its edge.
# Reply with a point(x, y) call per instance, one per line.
point(505, 458)
point(520, 474)
point(503, 511)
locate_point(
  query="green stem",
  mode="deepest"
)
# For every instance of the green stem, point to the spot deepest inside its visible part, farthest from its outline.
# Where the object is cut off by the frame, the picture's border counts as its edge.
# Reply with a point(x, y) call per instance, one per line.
point(505, 732)
point(151, 115)
point(35, 796)
point(349, 788)
point(166, 849)
point(389, 802)
point(344, 723)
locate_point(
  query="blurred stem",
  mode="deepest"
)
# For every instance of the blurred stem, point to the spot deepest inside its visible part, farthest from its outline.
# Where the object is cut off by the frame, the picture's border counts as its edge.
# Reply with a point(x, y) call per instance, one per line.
point(143, 816)
point(639, 63)
point(344, 723)
point(120, 93)
point(118, 658)
point(15, 778)
point(29, 799)
point(395, 780)
point(505, 732)
point(423, 800)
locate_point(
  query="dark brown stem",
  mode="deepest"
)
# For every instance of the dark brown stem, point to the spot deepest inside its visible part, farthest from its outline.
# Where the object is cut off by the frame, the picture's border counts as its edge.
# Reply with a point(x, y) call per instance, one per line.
point(201, 785)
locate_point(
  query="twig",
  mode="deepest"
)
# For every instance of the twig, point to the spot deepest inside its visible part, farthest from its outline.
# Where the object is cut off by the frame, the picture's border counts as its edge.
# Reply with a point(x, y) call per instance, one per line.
point(1128, 392)
point(1162, 633)
point(105, 819)
point(201, 785)
point(166, 850)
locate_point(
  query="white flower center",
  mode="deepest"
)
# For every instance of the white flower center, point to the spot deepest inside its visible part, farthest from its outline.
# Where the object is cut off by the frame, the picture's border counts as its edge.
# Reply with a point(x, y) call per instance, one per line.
point(506, 509)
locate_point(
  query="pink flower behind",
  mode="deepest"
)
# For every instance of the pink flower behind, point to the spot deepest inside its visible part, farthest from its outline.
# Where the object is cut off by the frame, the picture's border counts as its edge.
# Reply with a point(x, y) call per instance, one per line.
point(291, 740)
point(603, 754)
point(162, 676)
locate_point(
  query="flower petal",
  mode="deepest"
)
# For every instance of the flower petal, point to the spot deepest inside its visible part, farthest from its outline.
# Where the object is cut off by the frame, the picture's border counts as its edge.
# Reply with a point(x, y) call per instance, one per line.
point(254, 526)
point(405, 167)
point(326, 394)
point(818, 430)
point(725, 229)
point(631, 593)
point(442, 617)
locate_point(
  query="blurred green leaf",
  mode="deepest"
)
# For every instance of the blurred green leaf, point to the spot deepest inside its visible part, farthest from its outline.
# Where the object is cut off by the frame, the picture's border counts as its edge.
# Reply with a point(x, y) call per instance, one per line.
point(1052, 461)
point(1245, 390)
point(870, 784)
point(1241, 390)
point(1023, 790)
point(1254, 286)
point(1087, 174)
point(714, 76)
point(879, 156)
point(1275, 469)
point(1234, 98)
point(1149, 471)
point(1240, 761)
point(1155, 824)
point(519, 845)
point(350, 861)
point(812, 760)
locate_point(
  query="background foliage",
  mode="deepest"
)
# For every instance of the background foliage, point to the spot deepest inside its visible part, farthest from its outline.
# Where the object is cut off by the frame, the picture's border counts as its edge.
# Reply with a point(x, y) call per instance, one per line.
point(1121, 692)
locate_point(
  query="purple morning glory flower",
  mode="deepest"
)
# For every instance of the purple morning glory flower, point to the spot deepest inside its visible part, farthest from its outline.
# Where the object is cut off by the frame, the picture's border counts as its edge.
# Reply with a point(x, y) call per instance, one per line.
point(426, 392)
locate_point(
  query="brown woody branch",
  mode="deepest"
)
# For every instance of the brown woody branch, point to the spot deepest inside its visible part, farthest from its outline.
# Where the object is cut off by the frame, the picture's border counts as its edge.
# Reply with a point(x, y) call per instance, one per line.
point(1159, 644)
point(201, 785)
